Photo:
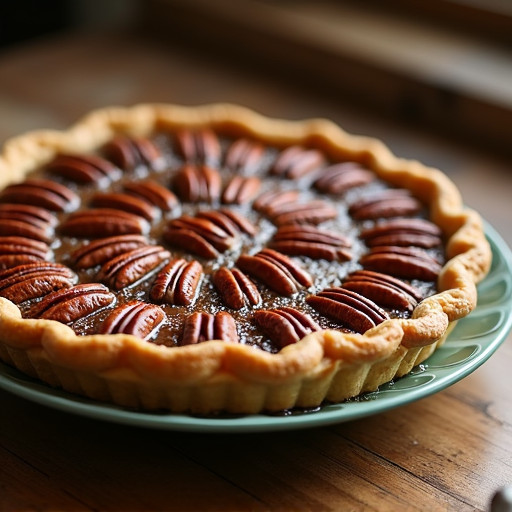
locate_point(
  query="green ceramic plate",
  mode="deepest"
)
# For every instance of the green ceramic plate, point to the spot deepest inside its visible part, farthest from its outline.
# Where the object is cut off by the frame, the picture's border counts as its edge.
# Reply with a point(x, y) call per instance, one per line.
point(470, 344)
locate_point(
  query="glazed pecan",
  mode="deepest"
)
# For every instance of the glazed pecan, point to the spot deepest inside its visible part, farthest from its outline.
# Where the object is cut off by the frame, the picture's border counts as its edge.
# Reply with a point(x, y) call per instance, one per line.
point(16, 250)
point(278, 272)
point(198, 146)
point(311, 212)
point(82, 168)
point(26, 221)
point(128, 153)
point(177, 282)
point(404, 262)
point(71, 304)
point(385, 204)
point(295, 162)
point(231, 222)
point(339, 178)
point(43, 193)
point(200, 327)
point(244, 156)
point(34, 280)
point(235, 288)
point(241, 190)
point(403, 232)
point(102, 250)
point(198, 235)
point(124, 202)
point(383, 289)
point(154, 193)
point(195, 184)
point(275, 199)
point(306, 240)
point(349, 308)
point(135, 317)
point(132, 266)
point(103, 222)
point(285, 325)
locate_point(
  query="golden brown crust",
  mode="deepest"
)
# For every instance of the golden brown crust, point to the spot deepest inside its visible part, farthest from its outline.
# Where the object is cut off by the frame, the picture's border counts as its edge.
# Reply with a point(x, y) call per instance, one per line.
point(222, 376)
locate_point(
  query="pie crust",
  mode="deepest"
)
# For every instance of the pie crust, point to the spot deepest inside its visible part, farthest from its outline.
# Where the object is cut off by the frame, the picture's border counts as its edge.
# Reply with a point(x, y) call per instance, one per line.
point(215, 376)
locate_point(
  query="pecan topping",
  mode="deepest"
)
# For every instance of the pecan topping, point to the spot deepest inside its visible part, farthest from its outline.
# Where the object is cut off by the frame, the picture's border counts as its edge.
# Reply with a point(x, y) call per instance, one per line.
point(244, 156)
point(128, 268)
point(241, 190)
point(82, 168)
point(200, 327)
point(312, 212)
point(124, 202)
point(26, 221)
point(102, 250)
point(276, 271)
point(135, 317)
point(72, 304)
point(43, 193)
point(235, 288)
point(103, 222)
point(177, 283)
point(404, 262)
point(230, 221)
point(195, 184)
point(350, 309)
point(17, 250)
point(34, 280)
point(285, 325)
point(383, 289)
point(154, 193)
point(403, 232)
point(385, 204)
point(295, 162)
point(198, 235)
point(272, 200)
point(305, 240)
point(131, 152)
point(339, 178)
point(200, 147)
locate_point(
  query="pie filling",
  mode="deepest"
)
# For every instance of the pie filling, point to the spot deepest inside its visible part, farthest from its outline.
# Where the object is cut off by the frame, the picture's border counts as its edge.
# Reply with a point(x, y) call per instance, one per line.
point(191, 235)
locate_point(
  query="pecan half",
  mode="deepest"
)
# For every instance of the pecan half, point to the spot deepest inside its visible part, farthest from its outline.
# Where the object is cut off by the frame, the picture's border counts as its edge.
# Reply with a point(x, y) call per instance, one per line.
point(198, 235)
point(311, 212)
point(404, 262)
point(403, 232)
point(102, 250)
point(275, 199)
point(195, 184)
point(177, 283)
point(384, 290)
point(339, 178)
point(43, 193)
point(295, 162)
point(29, 213)
point(128, 268)
point(124, 202)
point(349, 308)
point(200, 327)
point(154, 193)
point(285, 325)
point(306, 240)
point(276, 271)
point(103, 222)
point(135, 317)
point(26, 221)
point(241, 190)
point(128, 153)
point(235, 288)
point(16, 250)
point(82, 168)
point(72, 304)
point(34, 280)
point(198, 146)
point(385, 204)
point(244, 156)
point(230, 221)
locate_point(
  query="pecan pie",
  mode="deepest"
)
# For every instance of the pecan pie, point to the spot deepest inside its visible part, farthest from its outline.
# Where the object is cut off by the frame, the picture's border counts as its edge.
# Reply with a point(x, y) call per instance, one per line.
point(209, 259)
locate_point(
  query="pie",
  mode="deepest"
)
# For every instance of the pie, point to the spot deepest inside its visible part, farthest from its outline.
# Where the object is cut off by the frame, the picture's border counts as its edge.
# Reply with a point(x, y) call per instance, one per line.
point(211, 260)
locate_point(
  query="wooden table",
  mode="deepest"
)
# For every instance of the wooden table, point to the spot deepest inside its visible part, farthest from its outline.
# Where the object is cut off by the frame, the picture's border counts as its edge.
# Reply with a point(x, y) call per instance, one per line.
point(449, 451)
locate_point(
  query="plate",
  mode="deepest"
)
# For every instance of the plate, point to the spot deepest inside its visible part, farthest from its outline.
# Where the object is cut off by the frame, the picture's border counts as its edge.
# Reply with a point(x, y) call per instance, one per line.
point(473, 340)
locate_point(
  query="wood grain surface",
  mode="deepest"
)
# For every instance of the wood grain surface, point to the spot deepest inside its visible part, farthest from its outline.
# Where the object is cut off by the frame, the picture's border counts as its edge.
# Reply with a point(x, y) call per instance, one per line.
point(450, 451)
